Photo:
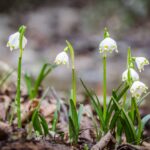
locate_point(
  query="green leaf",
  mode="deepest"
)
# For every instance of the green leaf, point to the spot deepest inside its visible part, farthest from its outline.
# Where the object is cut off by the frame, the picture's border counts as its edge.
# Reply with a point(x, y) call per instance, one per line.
point(36, 122)
point(96, 105)
point(80, 114)
point(28, 82)
point(55, 118)
point(129, 129)
point(72, 131)
point(139, 122)
point(145, 120)
point(44, 125)
point(111, 107)
point(46, 69)
point(74, 116)
point(115, 117)
point(119, 131)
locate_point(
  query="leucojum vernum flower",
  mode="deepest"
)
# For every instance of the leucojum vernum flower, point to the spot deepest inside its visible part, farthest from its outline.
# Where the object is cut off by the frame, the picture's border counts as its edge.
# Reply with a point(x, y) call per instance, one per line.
point(13, 41)
point(74, 116)
point(18, 41)
point(133, 74)
point(107, 45)
point(62, 59)
point(141, 62)
point(137, 89)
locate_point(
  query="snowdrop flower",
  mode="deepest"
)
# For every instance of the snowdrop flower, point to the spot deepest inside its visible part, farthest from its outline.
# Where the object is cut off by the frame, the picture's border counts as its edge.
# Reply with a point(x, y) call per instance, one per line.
point(62, 58)
point(13, 41)
point(134, 75)
point(141, 62)
point(137, 89)
point(108, 45)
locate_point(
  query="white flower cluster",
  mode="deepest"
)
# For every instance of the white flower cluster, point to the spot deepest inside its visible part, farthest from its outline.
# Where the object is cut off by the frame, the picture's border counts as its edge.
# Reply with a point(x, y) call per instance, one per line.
point(137, 88)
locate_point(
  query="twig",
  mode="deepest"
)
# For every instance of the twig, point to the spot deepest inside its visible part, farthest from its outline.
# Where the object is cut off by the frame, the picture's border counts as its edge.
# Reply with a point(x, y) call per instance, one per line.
point(104, 141)
point(132, 147)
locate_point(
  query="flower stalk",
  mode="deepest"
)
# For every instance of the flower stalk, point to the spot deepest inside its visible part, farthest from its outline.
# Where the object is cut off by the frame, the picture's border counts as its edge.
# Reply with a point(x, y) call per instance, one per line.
point(17, 99)
point(104, 84)
point(108, 45)
point(73, 90)
point(106, 34)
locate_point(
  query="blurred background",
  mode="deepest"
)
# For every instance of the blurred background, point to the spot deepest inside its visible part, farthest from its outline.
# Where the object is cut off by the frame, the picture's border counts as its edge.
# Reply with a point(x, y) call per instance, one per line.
point(50, 23)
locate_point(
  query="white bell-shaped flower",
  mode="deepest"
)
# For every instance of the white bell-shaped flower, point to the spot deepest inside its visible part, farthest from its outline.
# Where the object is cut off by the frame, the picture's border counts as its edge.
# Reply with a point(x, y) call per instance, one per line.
point(141, 62)
point(13, 41)
point(137, 89)
point(62, 59)
point(134, 75)
point(108, 45)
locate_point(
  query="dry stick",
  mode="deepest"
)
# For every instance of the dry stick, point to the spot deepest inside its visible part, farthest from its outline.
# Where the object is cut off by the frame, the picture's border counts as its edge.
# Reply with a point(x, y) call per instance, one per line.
point(104, 141)
point(134, 147)
point(146, 144)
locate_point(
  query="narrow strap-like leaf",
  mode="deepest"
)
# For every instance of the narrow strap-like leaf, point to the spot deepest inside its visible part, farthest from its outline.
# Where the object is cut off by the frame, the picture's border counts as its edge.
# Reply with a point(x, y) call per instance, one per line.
point(80, 114)
point(127, 120)
point(44, 125)
point(74, 115)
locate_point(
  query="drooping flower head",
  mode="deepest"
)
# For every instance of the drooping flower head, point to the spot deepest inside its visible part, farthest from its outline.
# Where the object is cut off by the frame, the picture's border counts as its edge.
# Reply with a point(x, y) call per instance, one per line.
point(137, 89)
point(141, 62)
point(13, 41)
point(62, 59)
point(108, 45)
point(133, 74)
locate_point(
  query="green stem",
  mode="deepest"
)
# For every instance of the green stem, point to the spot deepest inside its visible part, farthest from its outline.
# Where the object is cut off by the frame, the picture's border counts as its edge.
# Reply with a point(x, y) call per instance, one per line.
point(17, 99)
point(139, 133)
point(124, 100)
point(104, 85)
point(132, 110)
point(73, 72)
point(18, 92)
point(74, 86)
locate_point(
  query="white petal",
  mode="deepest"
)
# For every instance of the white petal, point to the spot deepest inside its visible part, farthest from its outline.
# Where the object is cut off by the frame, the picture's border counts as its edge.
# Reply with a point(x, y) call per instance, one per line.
point(134, 75)
point(141, 62)
point(24, 42)
point(13, 41)
point(108, 45)
point(62, 58)
point(137, 89)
